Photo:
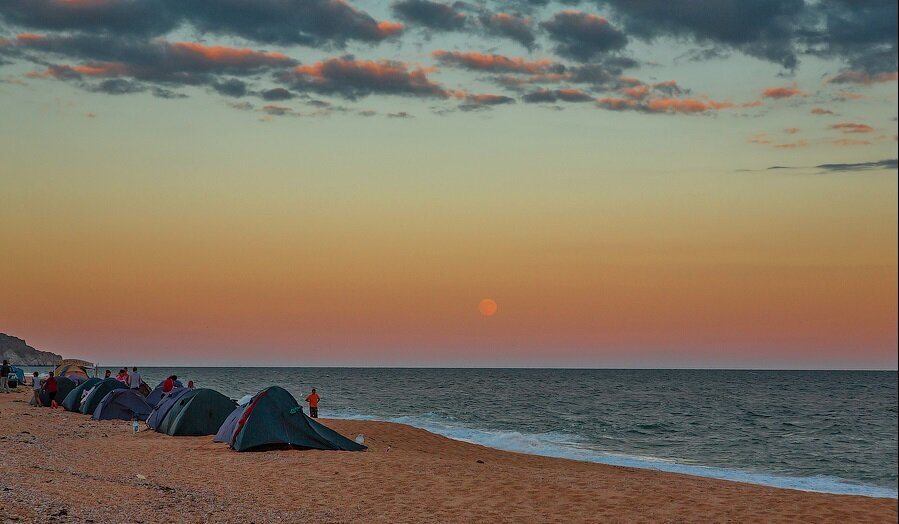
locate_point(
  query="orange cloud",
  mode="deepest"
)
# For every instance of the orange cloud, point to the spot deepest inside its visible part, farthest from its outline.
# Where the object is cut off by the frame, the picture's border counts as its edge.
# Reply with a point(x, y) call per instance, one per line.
point(685, 105)
point(230, 56)
point(850, 142)
point(353, 78)
point(637, 92)
point(390, 28)
point(759, 138)
point(783, 92)
point(850, 127)
point(617, 104)
point(821, 111)
point(792, 130)
point(753, 103)
point(61, 71)
point(844, 95)
point(29, 37)
point(861, 77)
point(484, 62)
point(793, 145)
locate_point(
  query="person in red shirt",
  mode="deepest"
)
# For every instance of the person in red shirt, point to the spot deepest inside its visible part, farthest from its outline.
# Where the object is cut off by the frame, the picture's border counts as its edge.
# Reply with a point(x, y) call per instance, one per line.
point(51, 387)
point(169, 384)
point(313, 399)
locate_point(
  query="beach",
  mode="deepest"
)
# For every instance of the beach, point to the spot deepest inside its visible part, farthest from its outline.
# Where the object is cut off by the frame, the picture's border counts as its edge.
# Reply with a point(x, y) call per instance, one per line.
point(63, 467)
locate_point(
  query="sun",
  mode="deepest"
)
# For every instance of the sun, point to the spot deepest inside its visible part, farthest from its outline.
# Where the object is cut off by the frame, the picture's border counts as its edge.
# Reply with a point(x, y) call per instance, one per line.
point(487, 307)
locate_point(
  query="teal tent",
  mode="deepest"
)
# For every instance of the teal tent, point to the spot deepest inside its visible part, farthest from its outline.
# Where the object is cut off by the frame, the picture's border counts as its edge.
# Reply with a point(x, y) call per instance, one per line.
point(19, 373)
point(100, 391)
point(273, 418)
point(73, 400)
point(64, 386)
point(197, 412)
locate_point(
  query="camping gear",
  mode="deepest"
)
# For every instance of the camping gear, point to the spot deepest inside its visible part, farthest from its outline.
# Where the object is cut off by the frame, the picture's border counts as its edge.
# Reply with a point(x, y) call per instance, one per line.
point(19, 373)
point(63, 387)
point(100, 391)
point(72, 401)
point(163, 406)
point(122, 404)
point(197, 412)
point(274, 419)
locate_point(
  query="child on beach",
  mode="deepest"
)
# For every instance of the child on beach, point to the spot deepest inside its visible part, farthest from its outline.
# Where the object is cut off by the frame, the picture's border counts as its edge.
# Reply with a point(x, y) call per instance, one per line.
point(36, 388)
point(313, 399)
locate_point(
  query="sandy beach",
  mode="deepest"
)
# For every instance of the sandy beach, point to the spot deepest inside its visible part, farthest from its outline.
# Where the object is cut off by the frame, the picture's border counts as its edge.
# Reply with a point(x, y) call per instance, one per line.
point(63, 467)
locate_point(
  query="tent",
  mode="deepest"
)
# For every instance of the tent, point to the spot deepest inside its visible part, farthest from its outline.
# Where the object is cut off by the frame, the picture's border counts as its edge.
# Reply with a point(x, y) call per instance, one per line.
point(156, 395)
point(197, 412)
point(73, 369)
point(63, 387)
point(162, 408)
point(122, 404)
point(73, 400)
point(100, 390)
point(274, 419)
point(19, 373)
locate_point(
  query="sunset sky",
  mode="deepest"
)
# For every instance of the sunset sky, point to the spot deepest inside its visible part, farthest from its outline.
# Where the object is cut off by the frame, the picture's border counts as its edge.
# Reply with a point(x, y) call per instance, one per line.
point(654, 183)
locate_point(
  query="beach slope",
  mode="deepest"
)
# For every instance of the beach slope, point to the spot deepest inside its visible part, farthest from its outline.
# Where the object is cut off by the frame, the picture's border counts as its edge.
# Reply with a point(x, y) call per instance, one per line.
point(62, 467)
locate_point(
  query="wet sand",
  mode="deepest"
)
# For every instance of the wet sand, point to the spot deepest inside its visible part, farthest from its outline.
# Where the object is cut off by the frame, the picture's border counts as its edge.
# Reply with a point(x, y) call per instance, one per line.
point(63, 467)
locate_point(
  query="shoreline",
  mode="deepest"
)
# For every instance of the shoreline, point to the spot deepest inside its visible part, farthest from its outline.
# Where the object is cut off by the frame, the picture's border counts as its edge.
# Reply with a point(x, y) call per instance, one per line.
point(773, 480)
point(72, 469)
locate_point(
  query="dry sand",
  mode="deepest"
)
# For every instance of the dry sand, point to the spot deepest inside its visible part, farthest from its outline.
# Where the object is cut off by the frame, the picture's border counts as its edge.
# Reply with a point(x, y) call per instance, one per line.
point(63, 467)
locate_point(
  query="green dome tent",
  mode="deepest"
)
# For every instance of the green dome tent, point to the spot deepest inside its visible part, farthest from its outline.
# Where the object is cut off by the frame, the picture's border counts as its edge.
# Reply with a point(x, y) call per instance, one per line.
point(273, 418)
point(63, 387)
point(101, 390)
point(73, 400)
point(198, 412)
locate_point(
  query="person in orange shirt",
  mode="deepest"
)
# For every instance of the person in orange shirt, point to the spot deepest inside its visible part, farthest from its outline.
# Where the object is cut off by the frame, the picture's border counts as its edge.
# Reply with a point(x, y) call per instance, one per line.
point(313, 399)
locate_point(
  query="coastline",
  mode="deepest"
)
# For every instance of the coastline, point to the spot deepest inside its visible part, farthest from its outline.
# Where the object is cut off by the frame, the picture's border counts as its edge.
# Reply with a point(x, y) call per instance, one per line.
point(69, 468)
point(530, 444)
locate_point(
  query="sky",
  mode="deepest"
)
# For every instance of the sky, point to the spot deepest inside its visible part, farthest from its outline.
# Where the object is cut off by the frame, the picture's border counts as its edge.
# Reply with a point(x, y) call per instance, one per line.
point(654, 183)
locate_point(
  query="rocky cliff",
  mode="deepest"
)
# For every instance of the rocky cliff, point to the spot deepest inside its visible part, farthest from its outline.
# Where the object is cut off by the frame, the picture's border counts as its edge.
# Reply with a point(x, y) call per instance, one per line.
point(19, 353)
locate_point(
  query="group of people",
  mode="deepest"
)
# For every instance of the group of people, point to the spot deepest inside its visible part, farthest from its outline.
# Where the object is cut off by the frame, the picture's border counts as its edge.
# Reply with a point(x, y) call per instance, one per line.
point(132, 380)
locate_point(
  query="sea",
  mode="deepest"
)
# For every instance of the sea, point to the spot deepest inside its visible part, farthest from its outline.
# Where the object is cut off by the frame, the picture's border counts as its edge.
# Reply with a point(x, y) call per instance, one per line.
point(827, 431)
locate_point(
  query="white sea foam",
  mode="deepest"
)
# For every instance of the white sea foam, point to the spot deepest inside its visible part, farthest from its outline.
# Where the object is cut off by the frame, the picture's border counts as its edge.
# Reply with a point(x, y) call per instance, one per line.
point(563, 445)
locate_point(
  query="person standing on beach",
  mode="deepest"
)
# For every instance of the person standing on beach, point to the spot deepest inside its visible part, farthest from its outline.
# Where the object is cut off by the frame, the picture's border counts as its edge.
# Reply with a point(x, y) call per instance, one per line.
point(51, 387)
point(134, 379)
point(313, 399)
point(36, 388)
point(5, 370)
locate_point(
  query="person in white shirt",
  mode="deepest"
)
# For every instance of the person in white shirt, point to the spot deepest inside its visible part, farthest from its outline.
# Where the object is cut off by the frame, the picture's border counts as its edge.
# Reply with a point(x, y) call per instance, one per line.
point(134, 379)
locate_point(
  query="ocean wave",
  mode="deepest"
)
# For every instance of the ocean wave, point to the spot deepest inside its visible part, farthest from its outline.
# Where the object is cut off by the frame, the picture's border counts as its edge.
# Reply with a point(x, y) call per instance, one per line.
point(570, 446)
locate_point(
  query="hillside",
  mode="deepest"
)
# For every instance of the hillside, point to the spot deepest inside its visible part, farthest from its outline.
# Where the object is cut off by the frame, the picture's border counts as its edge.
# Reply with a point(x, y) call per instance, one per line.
point(19, 353)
